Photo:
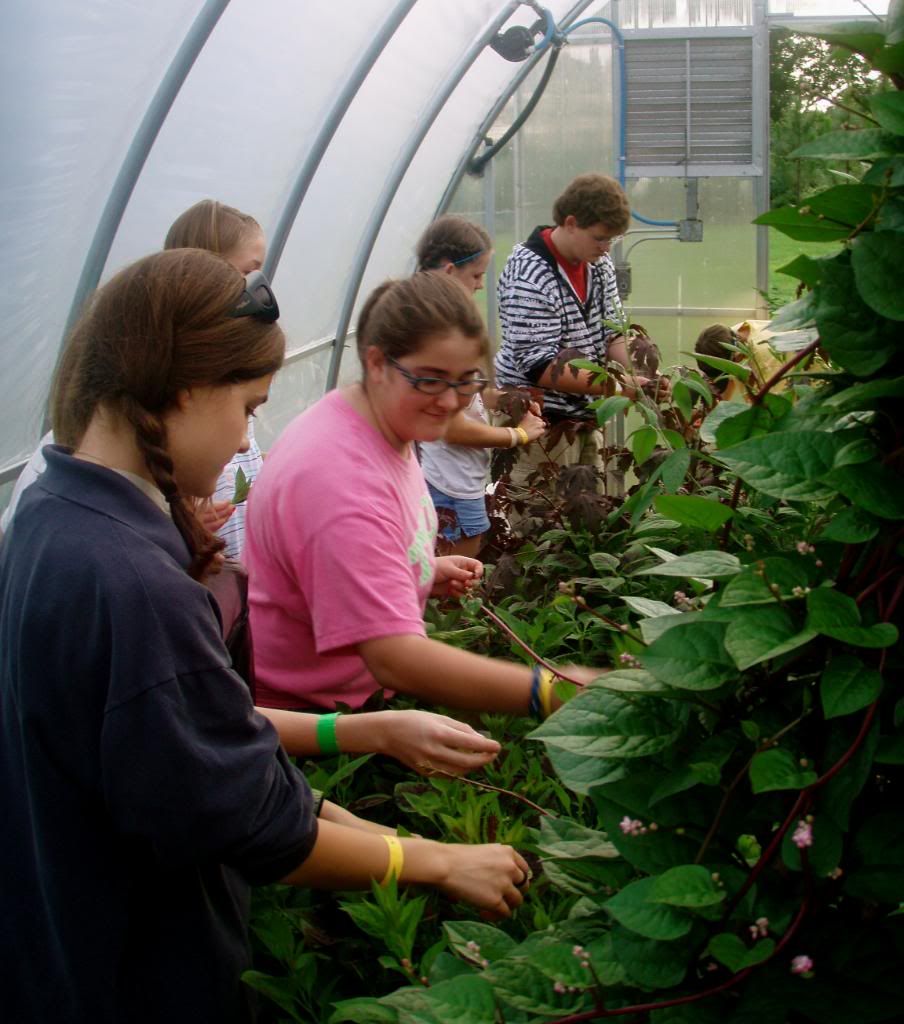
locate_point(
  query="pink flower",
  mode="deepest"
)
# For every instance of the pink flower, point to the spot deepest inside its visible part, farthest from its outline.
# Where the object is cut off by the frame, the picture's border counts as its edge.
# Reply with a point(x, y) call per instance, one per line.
point(801, 965)
point(632, 826)
point(803, 835)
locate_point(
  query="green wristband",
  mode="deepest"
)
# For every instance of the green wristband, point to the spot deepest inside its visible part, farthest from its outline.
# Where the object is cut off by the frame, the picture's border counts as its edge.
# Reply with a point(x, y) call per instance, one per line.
point(326, 733)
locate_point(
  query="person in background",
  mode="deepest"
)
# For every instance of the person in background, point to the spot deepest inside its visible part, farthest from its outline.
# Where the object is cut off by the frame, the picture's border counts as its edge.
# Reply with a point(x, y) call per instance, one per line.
point(747, 343)
point(238, 238)
point(142, 793)
point(341, 528)
point(558, 301)
point(413, 737)
point(457, 466)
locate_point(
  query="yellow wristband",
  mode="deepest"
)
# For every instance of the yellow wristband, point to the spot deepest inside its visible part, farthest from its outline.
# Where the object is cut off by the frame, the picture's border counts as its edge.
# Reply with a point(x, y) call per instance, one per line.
point(396, 860)
point(522, 433)
point(546, 681)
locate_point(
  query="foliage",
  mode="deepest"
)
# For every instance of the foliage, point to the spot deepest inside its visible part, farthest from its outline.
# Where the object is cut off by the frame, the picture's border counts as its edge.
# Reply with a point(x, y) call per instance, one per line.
point(813, 88)
point(714, 824)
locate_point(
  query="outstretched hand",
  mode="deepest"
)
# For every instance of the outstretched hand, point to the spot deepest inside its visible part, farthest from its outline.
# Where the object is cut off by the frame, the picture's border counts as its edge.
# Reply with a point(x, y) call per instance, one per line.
point(492, 877)
point(455, 575)
point(428, 742)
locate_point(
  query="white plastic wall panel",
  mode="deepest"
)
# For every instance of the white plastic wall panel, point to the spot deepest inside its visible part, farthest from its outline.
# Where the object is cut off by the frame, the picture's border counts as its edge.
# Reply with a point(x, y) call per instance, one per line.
point(75, 79)
point(649, 14)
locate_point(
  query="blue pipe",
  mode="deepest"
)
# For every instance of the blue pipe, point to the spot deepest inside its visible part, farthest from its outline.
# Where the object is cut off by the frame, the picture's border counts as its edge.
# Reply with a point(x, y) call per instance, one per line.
point(623, 109)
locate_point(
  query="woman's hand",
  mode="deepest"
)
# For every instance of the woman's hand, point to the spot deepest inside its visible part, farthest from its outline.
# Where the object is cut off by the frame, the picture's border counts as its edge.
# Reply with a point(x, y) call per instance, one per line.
point(428, 742)
point(492, 877)
point(455, 575)
point(532, 424)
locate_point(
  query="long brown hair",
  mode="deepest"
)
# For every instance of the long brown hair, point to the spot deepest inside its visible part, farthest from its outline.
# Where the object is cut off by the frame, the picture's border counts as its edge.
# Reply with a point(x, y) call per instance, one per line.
point(399, 316)
point(158, 327)
point(210, 225)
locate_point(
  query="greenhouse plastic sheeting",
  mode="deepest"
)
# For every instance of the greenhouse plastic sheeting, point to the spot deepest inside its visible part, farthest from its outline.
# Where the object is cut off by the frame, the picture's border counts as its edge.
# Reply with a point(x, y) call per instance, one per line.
point(78, 78)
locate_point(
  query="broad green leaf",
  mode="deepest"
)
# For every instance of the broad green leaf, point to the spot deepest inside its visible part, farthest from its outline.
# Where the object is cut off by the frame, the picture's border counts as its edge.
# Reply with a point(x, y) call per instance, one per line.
point(562, 838)
point(776, 768)
point(863, 144)
point(877, 258)
point(652, 629)
point(794, 315)
point(890, 750)
point(888, 172)
point(873, 487)
point(803, 226)
point(787, 465)
point(850, 526)
point(553, 957)
point(891, 215)
point(841, 790)
point(492, 943)
point(467, 999)
point(518, 983)
point(689, 885)
point(649, 962)
point(894, 23)
point(804, 268)
point(597, 723)
point(864, 396)
point(628, 680)
point(691, 656)
point(634, 909)
point(581, 876)
point(581, 773)
point(610, 407)
point(643, 441)
point(847, 685)
point(648, 608)
point(722, 412)
point(753, 422)
point(674, 469)
point(848, 204)
point(691, 510)
point(727, 366)
point(752, 586)
point(681, 397)
point(760, 633)
point(836, 615)
point(849, 330)
point(365, 1010)
point(732, 953)
point(714, 565)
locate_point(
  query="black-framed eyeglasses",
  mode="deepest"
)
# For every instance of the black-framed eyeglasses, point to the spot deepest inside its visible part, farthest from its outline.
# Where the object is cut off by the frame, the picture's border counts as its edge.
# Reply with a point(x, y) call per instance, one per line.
point(257, 299)
point(438, 385)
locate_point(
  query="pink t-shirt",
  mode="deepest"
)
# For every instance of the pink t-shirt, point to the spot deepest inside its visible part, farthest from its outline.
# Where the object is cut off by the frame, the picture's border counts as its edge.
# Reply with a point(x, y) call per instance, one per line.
point(339, 549)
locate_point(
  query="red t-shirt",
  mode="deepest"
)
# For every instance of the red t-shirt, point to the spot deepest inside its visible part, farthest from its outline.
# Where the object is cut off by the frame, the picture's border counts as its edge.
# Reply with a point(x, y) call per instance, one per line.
point(575, 272)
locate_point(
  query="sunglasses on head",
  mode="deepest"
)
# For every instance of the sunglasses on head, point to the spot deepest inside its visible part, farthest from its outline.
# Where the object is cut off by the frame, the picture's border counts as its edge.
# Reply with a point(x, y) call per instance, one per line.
point(257, 299)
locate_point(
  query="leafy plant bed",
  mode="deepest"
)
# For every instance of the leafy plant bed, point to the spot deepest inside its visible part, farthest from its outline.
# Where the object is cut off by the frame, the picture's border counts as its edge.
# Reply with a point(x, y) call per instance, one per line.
point(714, 825)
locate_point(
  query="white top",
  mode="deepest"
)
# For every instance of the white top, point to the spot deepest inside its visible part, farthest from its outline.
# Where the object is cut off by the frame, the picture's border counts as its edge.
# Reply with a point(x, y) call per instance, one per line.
point(455, 469)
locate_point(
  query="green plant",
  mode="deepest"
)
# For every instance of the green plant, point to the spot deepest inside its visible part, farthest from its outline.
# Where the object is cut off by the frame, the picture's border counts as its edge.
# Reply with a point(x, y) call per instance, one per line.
point(735, 850)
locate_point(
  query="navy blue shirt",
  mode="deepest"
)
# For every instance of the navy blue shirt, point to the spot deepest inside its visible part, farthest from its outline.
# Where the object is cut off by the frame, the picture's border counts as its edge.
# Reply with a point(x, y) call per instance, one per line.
point(140, 792)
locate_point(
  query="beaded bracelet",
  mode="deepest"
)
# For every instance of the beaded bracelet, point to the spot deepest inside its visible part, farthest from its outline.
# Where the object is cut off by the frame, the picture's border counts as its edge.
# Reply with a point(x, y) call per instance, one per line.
point(326, 734)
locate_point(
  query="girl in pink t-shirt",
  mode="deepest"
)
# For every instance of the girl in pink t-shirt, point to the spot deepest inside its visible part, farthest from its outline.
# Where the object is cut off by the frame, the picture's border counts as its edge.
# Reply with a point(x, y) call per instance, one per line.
point(342, 529)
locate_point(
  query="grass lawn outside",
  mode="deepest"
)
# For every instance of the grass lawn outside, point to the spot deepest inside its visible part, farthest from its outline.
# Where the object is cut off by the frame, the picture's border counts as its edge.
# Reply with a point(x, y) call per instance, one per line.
point(782, 250)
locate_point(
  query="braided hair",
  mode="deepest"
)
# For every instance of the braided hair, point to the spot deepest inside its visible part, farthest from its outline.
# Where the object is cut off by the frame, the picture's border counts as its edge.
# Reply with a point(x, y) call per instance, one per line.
point(157, 328)
point(451, 239)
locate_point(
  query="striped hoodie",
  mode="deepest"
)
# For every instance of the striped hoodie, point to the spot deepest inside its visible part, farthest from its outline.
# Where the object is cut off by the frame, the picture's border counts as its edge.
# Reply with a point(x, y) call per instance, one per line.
point(541, 316)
